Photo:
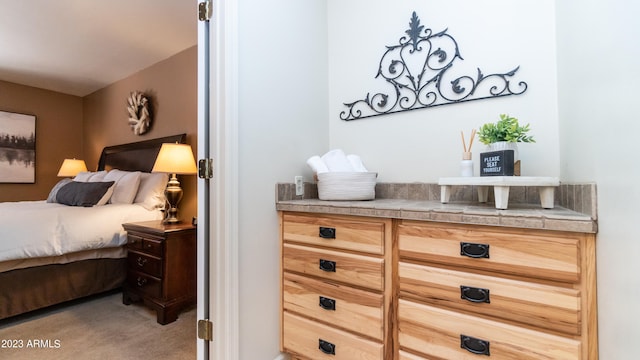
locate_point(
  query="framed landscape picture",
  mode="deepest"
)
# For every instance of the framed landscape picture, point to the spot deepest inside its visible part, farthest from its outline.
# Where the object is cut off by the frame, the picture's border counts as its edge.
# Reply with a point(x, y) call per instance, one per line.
point(17, 148)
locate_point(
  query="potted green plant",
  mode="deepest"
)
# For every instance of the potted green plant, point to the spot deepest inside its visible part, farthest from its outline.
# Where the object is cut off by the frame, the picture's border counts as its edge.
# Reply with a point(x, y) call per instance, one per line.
point(505, 134)
point(506, 129)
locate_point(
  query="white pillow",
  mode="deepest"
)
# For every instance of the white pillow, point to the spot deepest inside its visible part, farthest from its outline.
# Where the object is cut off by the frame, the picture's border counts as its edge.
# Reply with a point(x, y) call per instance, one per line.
point(98, 176)
point(126, 186)
point(151, 191)
point(107, 195)
point(94, 176)
point(54, 191)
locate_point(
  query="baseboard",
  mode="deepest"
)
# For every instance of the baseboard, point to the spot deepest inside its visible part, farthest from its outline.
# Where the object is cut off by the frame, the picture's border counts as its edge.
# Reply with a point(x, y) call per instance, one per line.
point(282, 357)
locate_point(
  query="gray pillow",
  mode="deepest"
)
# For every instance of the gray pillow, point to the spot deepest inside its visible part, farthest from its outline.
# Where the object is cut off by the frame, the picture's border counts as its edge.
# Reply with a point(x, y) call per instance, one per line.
point(56, 187)
point(84, 194)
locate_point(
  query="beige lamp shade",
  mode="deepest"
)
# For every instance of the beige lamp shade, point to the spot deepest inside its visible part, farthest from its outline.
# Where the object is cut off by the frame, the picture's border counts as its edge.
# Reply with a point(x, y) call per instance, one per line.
point(175, 159)
point(71, 167)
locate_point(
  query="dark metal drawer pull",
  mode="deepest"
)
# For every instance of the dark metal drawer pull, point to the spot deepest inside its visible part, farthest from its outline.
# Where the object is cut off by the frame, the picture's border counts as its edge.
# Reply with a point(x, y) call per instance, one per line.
point(327, 265)
point(327, 232)
point(327, 303)
point(474, 250)
point(474, 345)
point(474, 294)
point(141, 281)
point(326, 347)
point(141, 261)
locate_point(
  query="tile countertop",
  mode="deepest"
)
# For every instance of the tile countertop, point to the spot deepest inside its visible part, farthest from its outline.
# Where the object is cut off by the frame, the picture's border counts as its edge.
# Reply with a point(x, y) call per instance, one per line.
point(462, 211)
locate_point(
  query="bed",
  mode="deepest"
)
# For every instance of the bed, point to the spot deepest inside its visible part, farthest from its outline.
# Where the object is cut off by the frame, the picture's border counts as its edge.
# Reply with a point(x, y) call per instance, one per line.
point(69, 252)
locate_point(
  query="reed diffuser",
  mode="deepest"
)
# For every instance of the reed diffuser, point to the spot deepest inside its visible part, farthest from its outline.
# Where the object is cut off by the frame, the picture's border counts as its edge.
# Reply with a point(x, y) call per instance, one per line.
point(466, 166)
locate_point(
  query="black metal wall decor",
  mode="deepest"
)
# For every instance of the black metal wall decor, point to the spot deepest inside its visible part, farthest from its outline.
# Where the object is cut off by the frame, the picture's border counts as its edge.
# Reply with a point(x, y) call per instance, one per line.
point(418, 71)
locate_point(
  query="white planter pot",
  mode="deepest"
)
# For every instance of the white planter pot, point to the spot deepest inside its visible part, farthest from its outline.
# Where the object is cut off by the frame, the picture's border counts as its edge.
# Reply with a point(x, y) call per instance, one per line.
point(505, 145)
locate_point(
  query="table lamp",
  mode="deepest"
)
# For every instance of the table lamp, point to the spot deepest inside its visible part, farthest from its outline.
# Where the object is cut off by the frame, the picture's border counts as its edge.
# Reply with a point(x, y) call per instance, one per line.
point(71, 167)
point(174, 159)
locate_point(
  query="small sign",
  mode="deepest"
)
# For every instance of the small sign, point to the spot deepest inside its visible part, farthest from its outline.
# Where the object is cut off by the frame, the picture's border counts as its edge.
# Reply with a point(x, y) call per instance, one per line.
point(496, 163)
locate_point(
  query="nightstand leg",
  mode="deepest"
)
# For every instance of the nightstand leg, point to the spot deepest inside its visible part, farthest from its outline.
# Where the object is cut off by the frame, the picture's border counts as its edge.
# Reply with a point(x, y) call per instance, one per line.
point(165, 316)
point(126, 299)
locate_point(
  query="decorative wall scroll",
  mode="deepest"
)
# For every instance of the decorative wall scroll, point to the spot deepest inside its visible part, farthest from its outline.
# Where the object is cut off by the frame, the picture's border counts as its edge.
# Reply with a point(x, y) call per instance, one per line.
point(418, 70)
point(139, 115)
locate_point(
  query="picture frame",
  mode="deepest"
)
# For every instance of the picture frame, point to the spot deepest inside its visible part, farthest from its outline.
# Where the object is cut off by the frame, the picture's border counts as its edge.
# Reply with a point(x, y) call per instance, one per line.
point(17, 148)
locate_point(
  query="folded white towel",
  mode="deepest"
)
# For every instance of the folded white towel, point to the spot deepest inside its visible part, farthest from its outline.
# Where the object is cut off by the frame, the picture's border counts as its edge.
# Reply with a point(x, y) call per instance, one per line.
point(337, 161)
point(317, 165)
point(356, 163)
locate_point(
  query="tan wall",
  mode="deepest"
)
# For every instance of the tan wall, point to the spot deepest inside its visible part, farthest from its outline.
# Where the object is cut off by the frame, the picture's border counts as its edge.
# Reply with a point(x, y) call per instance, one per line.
point(58, 135)
point(172, 86)
point(69, 126)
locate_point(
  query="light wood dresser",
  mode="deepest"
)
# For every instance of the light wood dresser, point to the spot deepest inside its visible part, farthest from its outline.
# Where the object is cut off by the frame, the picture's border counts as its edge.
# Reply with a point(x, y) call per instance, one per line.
point(336, 287)
point(466, 292)
point(388, 286)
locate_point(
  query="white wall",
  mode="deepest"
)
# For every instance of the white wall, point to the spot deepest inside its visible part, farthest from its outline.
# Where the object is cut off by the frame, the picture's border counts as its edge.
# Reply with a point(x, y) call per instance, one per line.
point(290, 98)
point(423, 145)
point(282, 115)
point(598, 76)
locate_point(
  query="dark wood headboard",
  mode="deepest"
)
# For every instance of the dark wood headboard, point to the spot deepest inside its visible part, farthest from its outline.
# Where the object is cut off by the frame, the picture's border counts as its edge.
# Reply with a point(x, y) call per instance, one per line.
point(136, 156)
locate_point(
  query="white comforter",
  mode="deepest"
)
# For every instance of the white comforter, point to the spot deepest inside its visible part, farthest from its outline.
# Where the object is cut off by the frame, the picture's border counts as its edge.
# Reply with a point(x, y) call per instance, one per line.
point(31, 229)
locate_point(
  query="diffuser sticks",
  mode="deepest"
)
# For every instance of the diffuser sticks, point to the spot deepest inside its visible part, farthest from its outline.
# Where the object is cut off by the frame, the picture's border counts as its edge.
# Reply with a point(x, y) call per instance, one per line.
point(464, 144)
point(466, 166)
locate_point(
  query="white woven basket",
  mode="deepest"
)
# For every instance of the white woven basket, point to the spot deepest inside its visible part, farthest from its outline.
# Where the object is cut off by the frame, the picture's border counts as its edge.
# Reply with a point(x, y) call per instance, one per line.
point(347, 185)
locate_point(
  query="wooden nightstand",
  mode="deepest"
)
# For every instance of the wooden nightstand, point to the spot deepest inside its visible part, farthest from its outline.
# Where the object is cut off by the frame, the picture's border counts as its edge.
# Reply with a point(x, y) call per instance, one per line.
point(161, 267)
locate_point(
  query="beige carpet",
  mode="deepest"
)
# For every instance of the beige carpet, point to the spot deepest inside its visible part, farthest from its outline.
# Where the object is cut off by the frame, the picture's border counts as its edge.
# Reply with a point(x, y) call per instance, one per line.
point(100, 327)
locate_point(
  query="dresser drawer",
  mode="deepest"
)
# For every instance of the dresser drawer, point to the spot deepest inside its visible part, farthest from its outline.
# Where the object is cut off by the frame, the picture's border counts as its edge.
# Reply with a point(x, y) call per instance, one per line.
point(150, 246)
point(144, 283)
point(144, 263)
point(539, 254)
point(316, 341)
point(451, 335)
point(403, 355)
point(339, 233)
point(348, 308)
point(349, 268)
point(551, 307)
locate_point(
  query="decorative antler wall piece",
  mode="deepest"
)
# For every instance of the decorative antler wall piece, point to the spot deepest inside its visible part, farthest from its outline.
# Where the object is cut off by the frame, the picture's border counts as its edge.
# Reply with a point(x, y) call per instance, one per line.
point(418, 70)
point(139, 116)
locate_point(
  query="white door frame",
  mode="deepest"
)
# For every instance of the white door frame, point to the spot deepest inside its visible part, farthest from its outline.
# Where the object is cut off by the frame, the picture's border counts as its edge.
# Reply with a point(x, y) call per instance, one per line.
point(218, 129)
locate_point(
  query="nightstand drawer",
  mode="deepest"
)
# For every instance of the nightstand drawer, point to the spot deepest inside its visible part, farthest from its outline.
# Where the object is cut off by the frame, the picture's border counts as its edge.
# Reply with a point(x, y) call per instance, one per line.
point(539, 254)
point(348, 308)
point(316, 341)
point(152, 247)
point(136, 242)
point(147, 284)
point(450, 335)
point(349, 268)
point(551, 307)
point(145, 263)
point(344, 233)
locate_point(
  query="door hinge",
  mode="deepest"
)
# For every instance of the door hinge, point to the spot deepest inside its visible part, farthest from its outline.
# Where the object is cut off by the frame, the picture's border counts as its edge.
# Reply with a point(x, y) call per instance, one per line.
point(205, 168)
point(205, 330)
point(204, 11)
